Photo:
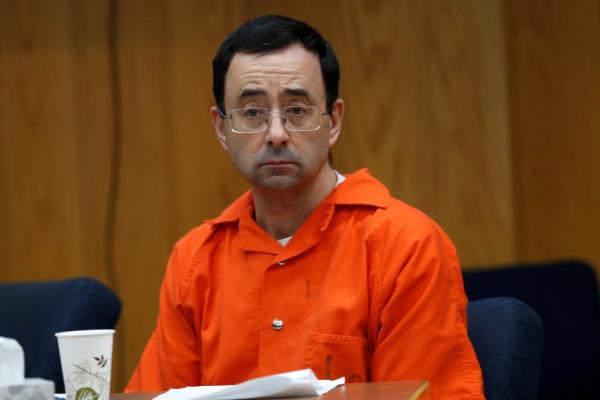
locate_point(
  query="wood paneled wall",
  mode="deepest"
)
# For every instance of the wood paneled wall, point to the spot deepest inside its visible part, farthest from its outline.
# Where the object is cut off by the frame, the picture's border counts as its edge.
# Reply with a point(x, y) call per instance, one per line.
point(554, 86)
point(482, 113)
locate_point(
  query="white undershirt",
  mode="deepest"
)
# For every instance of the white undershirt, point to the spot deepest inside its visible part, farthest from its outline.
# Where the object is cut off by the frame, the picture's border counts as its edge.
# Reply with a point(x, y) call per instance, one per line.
point(339, 178)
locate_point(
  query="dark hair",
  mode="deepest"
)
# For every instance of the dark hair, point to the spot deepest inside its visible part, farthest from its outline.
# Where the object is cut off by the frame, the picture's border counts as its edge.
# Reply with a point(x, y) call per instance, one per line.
point(269, 33)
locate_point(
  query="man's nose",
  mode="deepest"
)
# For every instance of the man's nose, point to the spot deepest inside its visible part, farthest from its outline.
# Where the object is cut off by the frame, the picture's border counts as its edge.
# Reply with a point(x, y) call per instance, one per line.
point(276, 133)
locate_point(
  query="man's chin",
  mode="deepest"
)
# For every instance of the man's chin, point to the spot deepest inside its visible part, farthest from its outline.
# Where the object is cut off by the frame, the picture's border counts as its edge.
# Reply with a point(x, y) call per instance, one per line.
point(276, 182)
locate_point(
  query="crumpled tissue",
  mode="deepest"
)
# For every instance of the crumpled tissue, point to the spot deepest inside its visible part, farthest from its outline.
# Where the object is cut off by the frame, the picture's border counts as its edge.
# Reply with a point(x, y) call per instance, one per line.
point(13, 384)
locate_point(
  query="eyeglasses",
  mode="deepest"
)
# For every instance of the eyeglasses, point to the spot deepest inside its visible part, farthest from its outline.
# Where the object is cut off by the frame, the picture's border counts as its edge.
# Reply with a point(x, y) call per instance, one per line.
point(297, 118)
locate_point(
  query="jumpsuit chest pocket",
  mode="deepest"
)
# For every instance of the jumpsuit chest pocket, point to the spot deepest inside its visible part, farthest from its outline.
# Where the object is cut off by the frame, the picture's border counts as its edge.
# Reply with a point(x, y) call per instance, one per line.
point(334, 356)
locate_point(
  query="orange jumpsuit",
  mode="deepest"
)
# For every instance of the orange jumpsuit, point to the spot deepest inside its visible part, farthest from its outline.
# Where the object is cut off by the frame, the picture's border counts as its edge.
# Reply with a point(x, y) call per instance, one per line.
point(368, 288)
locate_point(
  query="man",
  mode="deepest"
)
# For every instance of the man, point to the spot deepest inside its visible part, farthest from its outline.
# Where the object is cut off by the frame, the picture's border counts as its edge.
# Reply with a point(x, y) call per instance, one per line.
point(308, 269)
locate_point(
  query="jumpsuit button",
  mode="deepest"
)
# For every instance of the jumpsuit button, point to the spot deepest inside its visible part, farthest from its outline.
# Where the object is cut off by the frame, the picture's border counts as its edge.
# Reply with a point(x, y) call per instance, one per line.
point(281, 263)
point(277, 324)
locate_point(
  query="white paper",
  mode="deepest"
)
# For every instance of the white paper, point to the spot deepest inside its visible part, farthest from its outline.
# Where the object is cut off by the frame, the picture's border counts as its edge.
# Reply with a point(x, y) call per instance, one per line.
point(31, 388)
point(301, 383)
point(12, 362)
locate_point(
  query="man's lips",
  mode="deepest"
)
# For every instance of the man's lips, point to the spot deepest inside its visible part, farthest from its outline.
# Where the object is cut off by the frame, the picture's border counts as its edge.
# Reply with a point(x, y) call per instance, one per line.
point(277, 162)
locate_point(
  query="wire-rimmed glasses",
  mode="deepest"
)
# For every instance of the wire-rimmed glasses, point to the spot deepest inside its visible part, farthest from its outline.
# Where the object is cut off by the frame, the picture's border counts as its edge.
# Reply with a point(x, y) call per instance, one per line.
point(297, 118)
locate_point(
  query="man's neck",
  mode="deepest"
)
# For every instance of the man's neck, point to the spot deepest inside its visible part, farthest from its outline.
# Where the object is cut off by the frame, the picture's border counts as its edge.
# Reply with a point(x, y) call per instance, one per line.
point(281, 213)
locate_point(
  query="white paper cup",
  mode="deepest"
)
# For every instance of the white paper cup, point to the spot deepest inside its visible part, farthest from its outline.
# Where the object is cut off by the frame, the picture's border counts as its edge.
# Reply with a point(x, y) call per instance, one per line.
point(86, 358)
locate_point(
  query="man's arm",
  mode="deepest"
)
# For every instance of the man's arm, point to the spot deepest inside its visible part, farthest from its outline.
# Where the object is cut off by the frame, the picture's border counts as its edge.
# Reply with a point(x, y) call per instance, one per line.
point(422, 323)
point(172, 356)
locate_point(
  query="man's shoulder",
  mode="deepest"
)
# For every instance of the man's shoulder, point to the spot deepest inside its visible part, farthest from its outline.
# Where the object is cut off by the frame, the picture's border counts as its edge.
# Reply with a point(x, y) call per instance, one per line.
point(401, 232)
point(388, 212)
point(201, 235)
point(193, 240)
point(399, 217)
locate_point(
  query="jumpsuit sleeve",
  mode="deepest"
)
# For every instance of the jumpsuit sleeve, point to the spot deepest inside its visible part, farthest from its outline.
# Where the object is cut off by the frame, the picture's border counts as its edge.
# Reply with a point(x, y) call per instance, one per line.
point(172, 356)
point(422, 331)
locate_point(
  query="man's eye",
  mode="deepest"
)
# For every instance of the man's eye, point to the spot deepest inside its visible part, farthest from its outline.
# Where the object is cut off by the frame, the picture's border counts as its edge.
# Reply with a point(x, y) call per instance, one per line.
point(296, 111)
point(252, 112)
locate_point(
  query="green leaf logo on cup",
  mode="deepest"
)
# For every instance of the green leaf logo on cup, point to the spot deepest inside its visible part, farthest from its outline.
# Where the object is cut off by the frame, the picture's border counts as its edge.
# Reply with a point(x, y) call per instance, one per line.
point(86, 393)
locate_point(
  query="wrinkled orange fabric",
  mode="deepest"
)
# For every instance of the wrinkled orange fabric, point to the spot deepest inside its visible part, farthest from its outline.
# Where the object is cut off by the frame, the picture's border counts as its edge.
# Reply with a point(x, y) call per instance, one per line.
point(368, 288)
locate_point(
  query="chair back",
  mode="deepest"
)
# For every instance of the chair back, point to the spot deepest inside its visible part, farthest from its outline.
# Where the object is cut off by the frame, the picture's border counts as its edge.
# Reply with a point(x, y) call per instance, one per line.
point(507, 337)
point(565, 296)
point(32, 312)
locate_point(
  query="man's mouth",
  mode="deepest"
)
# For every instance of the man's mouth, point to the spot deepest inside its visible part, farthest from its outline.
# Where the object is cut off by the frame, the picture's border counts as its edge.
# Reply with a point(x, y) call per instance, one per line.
point(277, 162)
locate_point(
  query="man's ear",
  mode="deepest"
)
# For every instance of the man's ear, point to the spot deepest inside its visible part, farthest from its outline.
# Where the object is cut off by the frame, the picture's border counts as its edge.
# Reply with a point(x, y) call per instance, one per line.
point(335, 117)
point(218, 126)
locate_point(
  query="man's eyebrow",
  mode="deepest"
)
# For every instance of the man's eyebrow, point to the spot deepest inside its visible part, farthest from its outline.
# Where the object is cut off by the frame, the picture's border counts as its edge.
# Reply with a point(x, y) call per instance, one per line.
point(252, 92)
point(296, 92)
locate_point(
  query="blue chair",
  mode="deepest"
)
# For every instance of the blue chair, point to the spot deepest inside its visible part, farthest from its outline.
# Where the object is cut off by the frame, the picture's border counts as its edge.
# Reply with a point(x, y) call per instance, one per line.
point(565, 296)
point(32, 312)
point(507, 338)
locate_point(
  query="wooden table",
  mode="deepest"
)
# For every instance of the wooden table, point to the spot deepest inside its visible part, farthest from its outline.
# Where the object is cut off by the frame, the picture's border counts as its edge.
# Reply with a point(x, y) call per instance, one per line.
point(405, 390)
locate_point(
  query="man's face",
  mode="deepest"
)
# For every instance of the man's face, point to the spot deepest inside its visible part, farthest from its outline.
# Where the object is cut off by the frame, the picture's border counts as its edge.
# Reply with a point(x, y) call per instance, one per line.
point(277, 158)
